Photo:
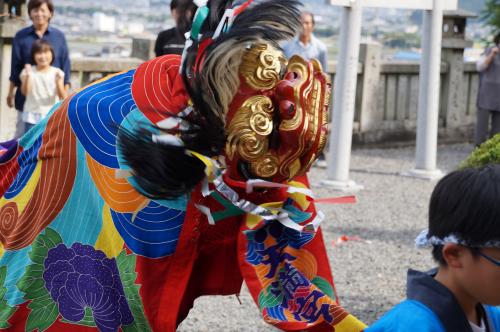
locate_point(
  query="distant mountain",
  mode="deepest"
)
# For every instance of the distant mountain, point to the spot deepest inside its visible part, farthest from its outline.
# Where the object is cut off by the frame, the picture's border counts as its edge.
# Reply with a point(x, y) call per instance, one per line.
point(472, 5)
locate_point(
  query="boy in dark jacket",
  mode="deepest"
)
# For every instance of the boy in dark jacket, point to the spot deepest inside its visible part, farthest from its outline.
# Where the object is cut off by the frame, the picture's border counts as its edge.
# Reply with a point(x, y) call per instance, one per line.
point(464, 232)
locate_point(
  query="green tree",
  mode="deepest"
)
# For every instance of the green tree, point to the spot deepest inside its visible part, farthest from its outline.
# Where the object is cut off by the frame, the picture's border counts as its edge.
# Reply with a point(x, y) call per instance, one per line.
point(490, 15)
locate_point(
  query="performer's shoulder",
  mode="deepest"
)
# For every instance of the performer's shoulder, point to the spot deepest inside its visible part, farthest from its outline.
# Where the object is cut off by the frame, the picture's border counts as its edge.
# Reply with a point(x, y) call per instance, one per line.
point(23, 32)
point(493, 314)
point(409, 315)
point(56, 31)
point(167, 34)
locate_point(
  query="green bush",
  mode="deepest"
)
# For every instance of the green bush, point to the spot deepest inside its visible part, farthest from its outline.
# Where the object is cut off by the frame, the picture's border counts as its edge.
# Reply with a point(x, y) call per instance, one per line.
point(486, 153)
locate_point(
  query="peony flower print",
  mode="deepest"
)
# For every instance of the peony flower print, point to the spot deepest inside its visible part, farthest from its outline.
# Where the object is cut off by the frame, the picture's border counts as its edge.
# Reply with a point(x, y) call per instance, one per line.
point(80, 278)
point(80, 285)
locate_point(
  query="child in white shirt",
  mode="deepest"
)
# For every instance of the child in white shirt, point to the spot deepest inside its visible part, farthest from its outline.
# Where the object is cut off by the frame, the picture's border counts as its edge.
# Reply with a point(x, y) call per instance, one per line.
point(43, 84)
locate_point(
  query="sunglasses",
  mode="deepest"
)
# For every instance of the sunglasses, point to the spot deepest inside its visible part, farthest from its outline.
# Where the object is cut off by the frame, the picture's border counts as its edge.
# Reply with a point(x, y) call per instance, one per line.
point(492, 260)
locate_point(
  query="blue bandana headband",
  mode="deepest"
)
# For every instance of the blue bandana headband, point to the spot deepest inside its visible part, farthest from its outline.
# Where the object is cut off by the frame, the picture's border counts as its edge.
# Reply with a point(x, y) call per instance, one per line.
point(424, 241)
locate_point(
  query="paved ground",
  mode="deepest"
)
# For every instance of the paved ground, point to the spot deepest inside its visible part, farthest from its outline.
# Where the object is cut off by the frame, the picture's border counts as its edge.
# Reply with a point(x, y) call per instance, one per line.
point(370, 275)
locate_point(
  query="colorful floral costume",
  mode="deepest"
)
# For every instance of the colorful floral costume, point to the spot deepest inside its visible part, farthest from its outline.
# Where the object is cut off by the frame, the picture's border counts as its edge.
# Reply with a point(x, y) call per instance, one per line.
point(180, 178)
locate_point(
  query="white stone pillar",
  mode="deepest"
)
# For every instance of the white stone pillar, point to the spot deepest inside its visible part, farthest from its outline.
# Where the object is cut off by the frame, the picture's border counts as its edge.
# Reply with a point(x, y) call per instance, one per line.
point(339, 155)
point(8, 116)
point(428, 108)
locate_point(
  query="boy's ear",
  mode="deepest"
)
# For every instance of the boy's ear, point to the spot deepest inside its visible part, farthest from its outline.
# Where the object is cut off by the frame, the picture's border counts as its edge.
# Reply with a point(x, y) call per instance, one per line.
point(453, 255)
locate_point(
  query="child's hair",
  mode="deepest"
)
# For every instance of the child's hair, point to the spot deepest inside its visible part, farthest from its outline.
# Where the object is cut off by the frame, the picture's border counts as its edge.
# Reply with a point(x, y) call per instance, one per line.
point(41, 46)
point(466, 203)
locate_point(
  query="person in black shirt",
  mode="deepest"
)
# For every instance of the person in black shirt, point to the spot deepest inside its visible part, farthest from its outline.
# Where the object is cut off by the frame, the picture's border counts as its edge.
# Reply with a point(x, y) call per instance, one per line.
point(172, 41)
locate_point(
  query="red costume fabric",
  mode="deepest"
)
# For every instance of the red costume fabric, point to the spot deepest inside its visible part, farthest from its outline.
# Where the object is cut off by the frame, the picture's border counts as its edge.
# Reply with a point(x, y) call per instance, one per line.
point(102, 220)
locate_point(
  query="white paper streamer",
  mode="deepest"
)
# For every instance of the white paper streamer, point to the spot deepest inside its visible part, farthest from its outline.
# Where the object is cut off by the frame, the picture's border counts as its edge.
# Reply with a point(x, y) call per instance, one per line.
point(265, 213)
point(280, 215)
point(229, 17)
point(424, 241)
point(168, 139)
point(251, 184)
point(200, 3)
point(169, 123)
point(206, 211)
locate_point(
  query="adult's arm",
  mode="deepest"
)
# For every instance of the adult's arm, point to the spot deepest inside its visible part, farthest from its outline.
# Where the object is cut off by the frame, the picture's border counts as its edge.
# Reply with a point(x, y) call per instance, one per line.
point(17, 63)
point(16, 66)
point(323, 59)
point(65, 62)
point(11, 95)
point(486, 59)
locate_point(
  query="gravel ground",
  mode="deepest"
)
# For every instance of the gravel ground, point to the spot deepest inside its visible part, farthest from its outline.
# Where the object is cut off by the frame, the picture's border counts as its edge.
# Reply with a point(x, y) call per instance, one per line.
point(370, 275)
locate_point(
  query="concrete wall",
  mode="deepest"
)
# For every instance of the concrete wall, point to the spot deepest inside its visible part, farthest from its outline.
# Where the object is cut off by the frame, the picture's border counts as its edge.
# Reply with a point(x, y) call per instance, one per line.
point(8, 116)
point(87, 70)
point(387, 98)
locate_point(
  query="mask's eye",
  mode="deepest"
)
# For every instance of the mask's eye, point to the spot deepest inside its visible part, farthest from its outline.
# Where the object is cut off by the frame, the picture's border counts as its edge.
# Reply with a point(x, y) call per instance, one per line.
point(292, 76)
point(274, 138)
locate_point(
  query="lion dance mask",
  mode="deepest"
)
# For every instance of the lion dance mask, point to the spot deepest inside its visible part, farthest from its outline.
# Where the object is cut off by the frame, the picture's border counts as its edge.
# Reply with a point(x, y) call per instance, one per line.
point(183, 177)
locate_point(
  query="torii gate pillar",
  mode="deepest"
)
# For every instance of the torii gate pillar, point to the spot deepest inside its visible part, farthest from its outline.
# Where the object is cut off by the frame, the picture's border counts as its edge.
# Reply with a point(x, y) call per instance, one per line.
point(344, 97)
point(345, 86)
point(428, 99)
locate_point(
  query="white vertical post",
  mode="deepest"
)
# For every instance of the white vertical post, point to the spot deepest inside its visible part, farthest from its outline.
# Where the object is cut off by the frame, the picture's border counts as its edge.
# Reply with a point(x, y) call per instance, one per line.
point(339, 155)
point(428, 108)
point(424, 62)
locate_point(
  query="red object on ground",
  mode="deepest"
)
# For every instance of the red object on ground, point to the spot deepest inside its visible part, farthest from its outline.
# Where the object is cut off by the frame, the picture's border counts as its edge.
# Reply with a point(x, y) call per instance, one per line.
point(337, 200)
point(345, 238)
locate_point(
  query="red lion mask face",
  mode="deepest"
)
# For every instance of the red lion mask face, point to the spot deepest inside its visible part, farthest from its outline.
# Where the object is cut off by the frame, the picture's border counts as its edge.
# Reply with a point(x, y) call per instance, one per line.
point(276, 124)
